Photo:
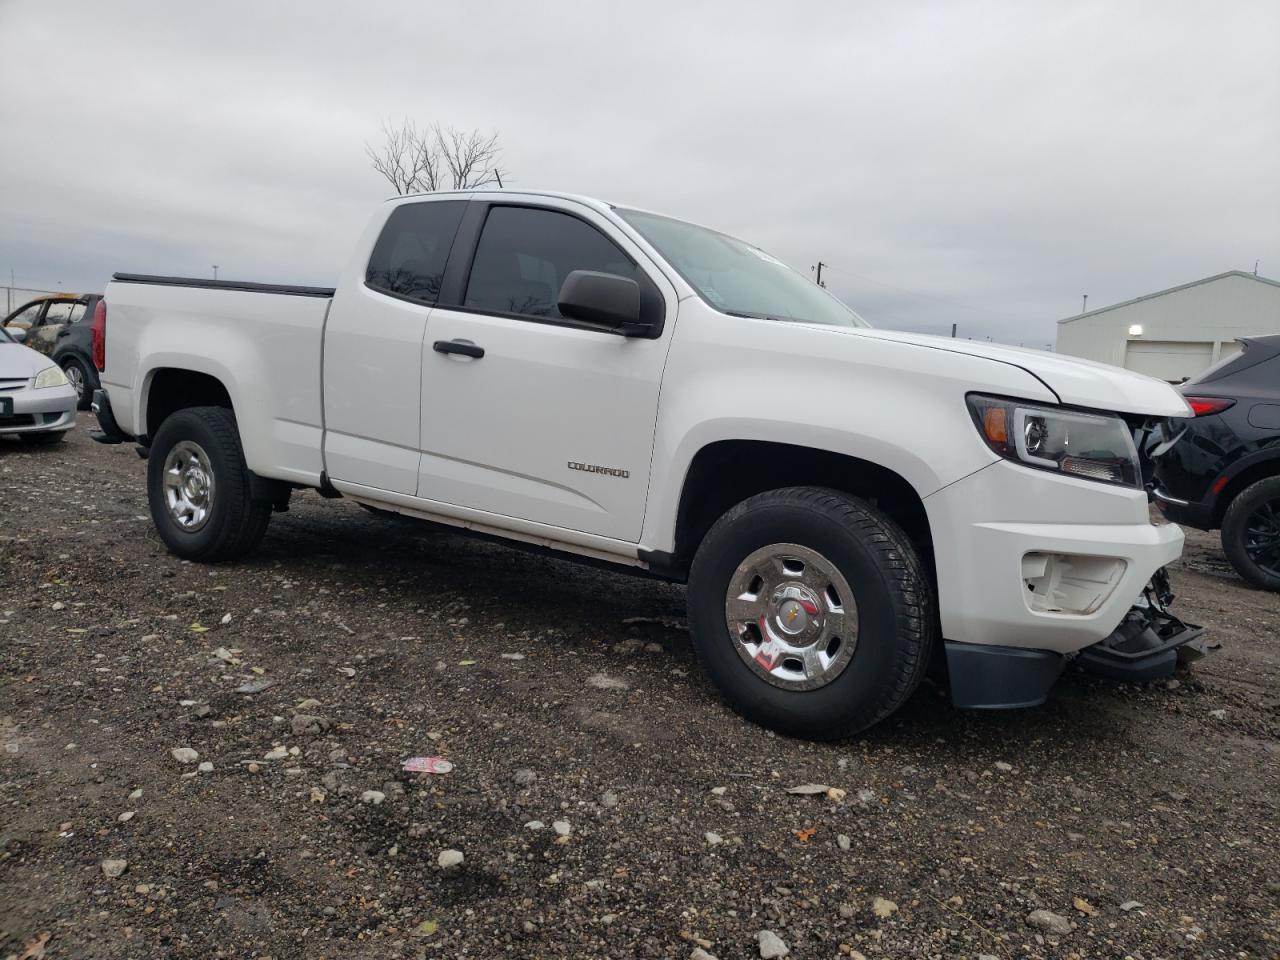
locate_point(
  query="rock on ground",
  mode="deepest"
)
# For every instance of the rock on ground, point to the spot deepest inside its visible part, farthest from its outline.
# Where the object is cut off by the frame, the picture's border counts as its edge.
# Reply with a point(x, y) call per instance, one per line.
point(771, 945)
point(1050, 922)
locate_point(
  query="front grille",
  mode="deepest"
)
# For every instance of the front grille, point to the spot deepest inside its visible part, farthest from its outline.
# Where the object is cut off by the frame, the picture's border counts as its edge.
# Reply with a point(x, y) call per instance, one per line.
point(9, 383)
point(20, 420)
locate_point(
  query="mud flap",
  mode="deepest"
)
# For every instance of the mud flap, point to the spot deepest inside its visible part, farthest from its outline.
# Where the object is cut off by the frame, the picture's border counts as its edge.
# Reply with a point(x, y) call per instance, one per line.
point(1150, 641)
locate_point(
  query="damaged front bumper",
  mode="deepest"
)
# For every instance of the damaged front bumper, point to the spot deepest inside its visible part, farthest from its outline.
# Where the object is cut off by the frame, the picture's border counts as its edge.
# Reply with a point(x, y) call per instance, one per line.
point(1150, 641)
point(1148, 644)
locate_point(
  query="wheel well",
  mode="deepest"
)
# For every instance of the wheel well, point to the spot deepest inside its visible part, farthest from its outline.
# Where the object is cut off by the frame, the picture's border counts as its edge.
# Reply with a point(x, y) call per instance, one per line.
point(1246, 478)
point(724, 474)
point(173, 390)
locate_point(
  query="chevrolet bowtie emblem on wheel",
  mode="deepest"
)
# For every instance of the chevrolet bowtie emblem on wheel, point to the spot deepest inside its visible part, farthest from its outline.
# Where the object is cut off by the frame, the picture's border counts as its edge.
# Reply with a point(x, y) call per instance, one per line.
point(792, 614)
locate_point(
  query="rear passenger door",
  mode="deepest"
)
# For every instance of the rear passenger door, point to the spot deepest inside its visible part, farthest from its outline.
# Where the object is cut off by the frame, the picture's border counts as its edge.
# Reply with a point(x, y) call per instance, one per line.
point(373, 349)
point(554, 423)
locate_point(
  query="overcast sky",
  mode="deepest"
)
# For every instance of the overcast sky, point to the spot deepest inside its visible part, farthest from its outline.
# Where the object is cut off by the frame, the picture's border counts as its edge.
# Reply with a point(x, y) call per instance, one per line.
point(977, 163)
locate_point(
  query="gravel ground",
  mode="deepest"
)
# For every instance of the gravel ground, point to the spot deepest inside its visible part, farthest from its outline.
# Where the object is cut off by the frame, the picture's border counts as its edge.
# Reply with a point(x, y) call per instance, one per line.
point(1142, 819)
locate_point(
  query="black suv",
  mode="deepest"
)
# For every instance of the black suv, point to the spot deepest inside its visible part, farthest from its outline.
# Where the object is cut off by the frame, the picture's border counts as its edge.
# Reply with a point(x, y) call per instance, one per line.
point(1222, 469)
point(61, 327)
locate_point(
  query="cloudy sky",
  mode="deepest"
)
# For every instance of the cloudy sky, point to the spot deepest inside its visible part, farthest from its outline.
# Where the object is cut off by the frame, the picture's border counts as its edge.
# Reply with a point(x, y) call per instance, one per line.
point(978, 163)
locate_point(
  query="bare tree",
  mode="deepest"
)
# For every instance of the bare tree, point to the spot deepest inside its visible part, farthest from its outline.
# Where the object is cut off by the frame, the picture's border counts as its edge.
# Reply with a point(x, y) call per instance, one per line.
point(417, 160)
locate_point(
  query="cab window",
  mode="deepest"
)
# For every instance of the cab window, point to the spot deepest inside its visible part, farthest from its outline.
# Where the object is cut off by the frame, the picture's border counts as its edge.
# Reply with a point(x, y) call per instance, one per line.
point(525, 253)
point(409, 258)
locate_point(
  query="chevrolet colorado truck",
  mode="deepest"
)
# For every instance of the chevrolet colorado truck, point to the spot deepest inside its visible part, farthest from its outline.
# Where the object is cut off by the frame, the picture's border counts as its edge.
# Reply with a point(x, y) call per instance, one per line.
point(844, 503)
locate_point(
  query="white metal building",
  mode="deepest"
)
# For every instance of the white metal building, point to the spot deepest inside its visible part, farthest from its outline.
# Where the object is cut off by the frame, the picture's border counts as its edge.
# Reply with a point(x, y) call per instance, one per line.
point(1176, 333)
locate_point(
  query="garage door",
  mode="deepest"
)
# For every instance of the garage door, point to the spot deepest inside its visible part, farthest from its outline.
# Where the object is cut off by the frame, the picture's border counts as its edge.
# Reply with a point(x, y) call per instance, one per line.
point(1168, 359)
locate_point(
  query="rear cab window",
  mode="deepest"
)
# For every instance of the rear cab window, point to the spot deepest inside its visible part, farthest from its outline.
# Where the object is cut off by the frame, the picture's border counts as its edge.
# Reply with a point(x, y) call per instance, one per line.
point(409, 257)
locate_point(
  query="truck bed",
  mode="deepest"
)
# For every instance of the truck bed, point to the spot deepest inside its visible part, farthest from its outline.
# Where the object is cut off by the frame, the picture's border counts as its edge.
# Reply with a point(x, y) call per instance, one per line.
point(261, 341)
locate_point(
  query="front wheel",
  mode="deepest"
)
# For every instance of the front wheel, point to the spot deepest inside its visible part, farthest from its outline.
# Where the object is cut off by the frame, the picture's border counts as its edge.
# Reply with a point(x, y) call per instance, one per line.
point(199, 487)
point(1251, 533)
point(811, 612)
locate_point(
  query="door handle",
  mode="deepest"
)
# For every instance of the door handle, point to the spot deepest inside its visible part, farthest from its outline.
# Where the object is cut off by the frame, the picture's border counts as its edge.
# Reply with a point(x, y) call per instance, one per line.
point(462, 347)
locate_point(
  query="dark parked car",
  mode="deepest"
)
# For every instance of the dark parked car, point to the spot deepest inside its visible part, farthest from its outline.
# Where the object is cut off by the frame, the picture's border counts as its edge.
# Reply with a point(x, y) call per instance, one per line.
point(60, 327)
point(1221, 470)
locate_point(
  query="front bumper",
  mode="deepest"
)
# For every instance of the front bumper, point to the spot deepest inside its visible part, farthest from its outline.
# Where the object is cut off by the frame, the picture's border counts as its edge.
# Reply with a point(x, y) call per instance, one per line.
point(47, 410)
point(1039, 561)
point(1148, 644)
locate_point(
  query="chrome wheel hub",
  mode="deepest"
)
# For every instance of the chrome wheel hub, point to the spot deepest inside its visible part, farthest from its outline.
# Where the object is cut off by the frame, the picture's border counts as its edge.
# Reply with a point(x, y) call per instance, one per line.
point(76, 378)
point(188, 485)
point(792, 617)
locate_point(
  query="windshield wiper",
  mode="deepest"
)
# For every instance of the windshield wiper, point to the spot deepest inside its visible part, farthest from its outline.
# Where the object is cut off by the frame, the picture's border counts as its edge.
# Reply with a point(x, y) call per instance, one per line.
point(754, 316)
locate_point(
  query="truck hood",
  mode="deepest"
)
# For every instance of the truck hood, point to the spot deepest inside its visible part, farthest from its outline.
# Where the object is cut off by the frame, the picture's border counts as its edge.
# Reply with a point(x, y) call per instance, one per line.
point(1080, 383)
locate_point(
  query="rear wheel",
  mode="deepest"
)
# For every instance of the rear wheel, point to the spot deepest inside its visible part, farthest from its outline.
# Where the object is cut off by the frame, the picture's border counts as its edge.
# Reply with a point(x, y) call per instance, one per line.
point(199, 487)
point(84, 381)
point(1251, 533)
point(811, 612)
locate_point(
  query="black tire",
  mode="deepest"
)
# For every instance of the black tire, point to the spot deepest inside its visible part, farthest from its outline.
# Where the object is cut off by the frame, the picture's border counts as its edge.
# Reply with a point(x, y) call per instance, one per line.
point(896, 617)
point(1251, 533)
point(88, 380)
point(236, 522)
point(43, 439)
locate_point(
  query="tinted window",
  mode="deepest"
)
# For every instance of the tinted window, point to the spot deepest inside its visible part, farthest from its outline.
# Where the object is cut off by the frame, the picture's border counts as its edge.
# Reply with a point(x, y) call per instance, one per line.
point(524, 255)
point(409, 257)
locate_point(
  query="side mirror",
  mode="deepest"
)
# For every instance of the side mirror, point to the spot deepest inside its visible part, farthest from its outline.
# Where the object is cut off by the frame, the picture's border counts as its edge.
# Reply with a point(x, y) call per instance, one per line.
point(18, 333)
point(603, 298)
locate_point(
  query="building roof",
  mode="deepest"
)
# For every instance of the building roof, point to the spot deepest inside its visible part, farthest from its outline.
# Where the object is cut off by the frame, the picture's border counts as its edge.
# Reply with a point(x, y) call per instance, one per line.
point(1161, 293)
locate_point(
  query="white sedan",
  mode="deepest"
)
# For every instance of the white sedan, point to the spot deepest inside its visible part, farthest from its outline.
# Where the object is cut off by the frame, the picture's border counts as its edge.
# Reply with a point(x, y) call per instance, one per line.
point(36, 401)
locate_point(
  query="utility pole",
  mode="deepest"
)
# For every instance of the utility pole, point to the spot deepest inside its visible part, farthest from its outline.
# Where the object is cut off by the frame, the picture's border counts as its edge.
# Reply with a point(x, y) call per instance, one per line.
point(215, 271)
point(819, 269)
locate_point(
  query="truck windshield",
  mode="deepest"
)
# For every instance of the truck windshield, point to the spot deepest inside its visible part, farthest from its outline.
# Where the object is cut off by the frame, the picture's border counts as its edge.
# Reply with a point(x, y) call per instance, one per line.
point(737, 278)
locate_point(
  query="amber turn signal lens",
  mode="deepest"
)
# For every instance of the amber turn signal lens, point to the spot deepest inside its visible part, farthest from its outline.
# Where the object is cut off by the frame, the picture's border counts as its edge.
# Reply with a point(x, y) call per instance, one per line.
point(995, 425)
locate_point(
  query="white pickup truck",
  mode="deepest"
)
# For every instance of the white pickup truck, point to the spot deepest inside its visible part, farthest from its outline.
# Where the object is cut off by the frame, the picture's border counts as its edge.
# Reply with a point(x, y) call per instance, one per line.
point(844, 503)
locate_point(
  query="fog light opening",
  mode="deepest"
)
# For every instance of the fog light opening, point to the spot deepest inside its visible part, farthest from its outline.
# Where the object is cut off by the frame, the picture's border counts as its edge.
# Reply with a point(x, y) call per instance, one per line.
point(1072, 584)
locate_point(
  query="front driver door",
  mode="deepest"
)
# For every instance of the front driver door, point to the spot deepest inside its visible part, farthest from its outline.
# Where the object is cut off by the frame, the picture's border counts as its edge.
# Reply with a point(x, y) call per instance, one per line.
point(26, 319)
point(555, 422)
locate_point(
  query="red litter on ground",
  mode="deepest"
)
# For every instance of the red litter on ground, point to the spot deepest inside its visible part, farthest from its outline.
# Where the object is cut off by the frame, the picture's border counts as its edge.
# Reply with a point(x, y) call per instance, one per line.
point(427, 765)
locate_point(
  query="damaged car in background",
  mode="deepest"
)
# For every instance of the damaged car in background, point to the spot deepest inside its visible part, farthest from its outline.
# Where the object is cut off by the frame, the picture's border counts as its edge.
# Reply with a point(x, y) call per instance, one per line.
point(844, 503)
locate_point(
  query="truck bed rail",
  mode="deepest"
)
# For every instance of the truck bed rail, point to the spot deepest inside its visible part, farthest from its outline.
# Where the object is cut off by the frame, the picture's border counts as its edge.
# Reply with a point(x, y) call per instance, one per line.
point(280, 288)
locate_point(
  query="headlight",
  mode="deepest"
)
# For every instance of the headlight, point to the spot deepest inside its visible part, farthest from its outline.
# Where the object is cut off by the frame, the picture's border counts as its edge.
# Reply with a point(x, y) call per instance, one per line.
point(1096, 446)
point(49, 377)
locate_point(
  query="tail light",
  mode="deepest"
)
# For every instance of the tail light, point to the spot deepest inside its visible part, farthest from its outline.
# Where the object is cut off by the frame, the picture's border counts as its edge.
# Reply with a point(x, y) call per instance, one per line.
point(1205, 406)
point(100, 335)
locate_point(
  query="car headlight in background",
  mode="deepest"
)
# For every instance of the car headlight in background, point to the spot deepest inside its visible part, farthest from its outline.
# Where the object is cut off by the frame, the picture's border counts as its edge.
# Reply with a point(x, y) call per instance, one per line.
point(50, 377)
point(1096, 446)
